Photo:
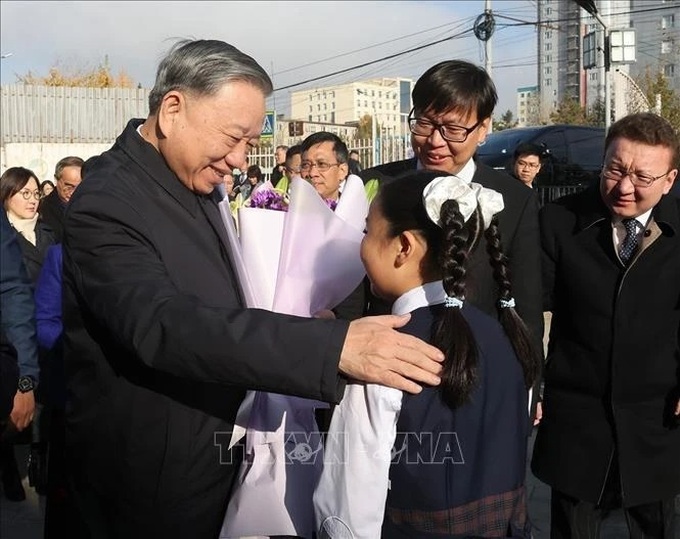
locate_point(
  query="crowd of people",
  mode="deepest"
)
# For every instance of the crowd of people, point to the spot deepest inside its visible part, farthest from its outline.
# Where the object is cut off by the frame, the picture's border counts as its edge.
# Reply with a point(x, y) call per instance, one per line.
point(127, 346)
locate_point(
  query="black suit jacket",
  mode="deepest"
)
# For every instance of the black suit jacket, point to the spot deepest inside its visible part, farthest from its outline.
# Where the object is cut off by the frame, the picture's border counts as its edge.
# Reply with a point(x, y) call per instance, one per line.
point(51, 211)
point(159, 349)
point(612, 379)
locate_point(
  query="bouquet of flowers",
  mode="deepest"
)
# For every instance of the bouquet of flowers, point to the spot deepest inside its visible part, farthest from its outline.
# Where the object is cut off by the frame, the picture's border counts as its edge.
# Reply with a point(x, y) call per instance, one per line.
point(296, 257)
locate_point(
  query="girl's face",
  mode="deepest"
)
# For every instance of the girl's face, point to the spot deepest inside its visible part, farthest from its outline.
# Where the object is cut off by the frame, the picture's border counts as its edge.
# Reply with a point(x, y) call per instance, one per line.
point(24, 203)
point(378, 253)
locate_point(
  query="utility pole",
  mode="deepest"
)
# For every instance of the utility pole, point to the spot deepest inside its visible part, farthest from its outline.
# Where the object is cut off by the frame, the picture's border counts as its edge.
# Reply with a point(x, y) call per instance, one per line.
point(487, 56)
point(483, 29)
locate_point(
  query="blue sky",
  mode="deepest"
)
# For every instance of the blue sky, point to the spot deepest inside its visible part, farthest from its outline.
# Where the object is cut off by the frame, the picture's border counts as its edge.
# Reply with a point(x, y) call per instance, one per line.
point(293, 41)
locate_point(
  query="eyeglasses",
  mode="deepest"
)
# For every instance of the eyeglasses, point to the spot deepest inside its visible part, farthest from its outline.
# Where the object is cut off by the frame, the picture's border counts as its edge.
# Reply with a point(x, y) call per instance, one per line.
point(638, 179)
point(450, 132)
point(321, 167)
point(68, 188)
point(26, 194)
point(524, 164)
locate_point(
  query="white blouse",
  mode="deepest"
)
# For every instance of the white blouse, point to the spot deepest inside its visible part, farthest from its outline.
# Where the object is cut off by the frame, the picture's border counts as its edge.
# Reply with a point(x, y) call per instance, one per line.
point(349, 501)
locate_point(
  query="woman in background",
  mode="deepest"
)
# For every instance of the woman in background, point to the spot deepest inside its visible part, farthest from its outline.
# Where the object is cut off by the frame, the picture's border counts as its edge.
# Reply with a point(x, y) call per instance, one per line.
point(20, 194)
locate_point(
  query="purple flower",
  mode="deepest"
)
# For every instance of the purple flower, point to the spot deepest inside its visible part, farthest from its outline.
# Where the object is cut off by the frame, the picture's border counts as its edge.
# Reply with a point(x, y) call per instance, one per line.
point(269, 199)
point(332, 204)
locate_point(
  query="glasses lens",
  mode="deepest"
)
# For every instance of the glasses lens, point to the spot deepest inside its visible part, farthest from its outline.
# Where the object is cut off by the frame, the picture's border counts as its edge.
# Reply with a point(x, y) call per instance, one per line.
point(420, 127)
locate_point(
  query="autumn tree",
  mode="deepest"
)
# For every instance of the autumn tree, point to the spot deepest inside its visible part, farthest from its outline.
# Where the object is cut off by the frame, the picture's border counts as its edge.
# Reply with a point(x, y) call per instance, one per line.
point(364, 127)
point(507, 121)
point(569, 111)
point(97, 77)
point(653, 84)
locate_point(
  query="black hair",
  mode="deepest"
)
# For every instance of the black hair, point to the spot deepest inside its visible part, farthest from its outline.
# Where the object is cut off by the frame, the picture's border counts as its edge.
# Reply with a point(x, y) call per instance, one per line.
point(339, 147)
point(448, 250)
point(254, 172)
point(527, 148)
point(455, 85)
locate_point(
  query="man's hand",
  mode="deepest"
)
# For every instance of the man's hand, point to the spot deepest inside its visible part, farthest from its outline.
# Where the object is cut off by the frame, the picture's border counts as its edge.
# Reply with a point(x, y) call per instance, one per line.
point(539, 413)
point(22, 412)
point(677, 408)
point(374, 352)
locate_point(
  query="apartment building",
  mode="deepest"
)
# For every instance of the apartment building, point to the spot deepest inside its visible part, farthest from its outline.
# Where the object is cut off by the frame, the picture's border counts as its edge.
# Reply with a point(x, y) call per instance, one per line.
point(562, 27)
point(528, 106)
point(387, 99)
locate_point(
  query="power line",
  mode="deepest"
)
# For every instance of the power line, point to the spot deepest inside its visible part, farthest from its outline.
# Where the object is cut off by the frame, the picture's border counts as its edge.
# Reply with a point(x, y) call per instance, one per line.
point(389, 57)
point(362, 49)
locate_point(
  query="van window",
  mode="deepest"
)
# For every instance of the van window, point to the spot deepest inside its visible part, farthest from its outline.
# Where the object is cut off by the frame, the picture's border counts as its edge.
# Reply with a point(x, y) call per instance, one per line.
point(554, 143)
point(586, 147)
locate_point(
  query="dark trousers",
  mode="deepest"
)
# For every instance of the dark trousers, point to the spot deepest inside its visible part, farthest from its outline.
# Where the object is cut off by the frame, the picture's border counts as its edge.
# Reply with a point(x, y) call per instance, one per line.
point(575, 519)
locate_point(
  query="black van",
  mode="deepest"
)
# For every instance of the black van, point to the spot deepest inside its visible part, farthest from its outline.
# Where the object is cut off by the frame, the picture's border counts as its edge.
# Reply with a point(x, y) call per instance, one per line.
point(572, 154)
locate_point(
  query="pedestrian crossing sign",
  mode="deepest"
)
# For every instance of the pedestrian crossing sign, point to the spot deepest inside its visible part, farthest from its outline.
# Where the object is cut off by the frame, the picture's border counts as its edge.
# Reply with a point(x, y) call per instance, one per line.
point(268, 125)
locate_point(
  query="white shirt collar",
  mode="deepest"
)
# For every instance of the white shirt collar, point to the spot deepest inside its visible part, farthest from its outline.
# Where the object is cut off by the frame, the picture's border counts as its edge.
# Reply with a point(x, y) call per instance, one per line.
point(642, 220)
point(427, 294)
point(465, 174)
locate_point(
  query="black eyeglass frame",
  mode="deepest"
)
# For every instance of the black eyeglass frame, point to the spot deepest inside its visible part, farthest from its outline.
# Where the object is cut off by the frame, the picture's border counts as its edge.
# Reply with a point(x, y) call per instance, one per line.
point(412, 120)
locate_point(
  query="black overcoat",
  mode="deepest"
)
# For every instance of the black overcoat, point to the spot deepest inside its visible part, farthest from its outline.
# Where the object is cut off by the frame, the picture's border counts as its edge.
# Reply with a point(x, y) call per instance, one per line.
point(159, 350)
point(613, 367)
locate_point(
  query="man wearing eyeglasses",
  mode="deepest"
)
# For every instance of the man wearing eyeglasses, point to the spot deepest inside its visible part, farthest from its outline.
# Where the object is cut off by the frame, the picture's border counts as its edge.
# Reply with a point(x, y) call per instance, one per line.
point(610, 434)
point(526, 163)
point(324, 163)
point(67, 174)
point(452, 106)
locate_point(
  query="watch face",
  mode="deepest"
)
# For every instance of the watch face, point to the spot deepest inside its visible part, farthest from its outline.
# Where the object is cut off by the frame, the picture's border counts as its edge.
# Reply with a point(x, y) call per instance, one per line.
point(25, 384)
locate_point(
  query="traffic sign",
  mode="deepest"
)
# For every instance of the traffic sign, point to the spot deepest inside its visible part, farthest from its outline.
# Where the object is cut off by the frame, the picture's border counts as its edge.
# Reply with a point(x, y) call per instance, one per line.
point(269, 125)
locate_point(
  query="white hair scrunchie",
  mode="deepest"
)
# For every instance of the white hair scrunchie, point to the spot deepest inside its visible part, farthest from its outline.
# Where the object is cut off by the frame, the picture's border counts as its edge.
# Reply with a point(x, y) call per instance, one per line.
point(467, 195)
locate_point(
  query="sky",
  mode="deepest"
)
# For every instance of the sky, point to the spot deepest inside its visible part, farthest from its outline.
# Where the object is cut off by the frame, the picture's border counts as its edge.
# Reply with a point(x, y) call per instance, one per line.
point(292, 41)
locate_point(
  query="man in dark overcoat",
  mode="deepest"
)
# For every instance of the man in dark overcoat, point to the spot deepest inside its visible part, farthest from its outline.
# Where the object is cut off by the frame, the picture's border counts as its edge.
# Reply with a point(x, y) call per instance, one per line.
point(159, 347)
point(610, 434)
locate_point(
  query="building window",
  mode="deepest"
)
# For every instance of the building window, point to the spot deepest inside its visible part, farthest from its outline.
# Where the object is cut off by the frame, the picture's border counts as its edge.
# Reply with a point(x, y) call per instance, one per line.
point(669, 70)
point(548, 70)
point(666, 46)
point(318, 107)
point(311, 108)
point(325, 106)
point(548, 46)
point(547, 35)
point(365, 103)
point(668, 21)
point(548, 82)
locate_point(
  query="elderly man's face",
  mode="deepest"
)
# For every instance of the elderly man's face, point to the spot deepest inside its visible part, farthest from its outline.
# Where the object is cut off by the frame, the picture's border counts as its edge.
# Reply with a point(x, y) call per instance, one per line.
point(280, 156)
point(205, 137)
point(67, 182)
point(321, 168)
point(622, 197)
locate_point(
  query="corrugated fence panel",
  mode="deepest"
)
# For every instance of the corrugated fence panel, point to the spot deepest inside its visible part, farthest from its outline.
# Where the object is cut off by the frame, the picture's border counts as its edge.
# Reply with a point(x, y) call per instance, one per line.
point(63, 114)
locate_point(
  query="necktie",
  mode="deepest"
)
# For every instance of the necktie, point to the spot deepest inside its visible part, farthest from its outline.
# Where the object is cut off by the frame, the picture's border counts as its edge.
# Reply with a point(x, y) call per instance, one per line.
point(630, 241)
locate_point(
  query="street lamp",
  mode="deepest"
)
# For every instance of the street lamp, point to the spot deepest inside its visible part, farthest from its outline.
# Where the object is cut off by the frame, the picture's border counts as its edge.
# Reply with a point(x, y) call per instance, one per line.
point(591, 8)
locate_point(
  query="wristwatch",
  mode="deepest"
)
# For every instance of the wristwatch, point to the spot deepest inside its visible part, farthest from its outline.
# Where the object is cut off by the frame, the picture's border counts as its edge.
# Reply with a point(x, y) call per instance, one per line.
point(26, 384)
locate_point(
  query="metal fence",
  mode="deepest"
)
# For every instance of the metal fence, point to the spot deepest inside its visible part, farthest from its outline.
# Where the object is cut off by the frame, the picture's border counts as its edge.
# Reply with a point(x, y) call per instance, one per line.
point(58, 114)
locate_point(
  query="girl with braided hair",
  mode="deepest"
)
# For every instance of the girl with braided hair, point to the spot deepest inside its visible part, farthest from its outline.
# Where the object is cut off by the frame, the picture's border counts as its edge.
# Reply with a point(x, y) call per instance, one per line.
point(450, 461)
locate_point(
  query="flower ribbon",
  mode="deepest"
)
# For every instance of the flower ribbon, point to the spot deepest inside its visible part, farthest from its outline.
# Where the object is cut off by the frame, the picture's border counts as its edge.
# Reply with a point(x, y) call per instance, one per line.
point(467, 195)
